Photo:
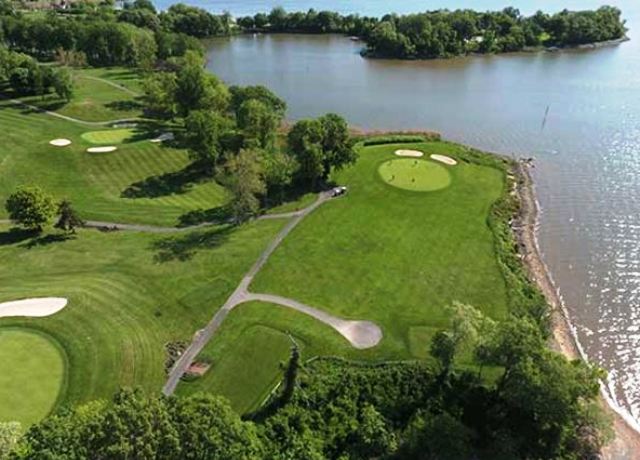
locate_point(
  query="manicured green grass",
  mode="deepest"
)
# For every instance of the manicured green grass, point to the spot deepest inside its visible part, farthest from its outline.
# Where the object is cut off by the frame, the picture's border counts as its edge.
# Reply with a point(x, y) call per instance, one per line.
point(396, 257)
point(414, 175)
point(109, 136)
point(253, 343)
point(142, 182)
point(32, 377)
point(129, 293)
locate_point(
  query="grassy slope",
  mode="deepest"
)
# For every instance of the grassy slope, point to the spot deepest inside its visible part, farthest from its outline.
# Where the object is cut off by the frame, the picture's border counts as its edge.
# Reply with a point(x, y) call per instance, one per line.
point(380, 253)
point(33, 375)
point(395, 257)
point(129, 293)
point(95, 100)
point(95, 182)
point(252, 344)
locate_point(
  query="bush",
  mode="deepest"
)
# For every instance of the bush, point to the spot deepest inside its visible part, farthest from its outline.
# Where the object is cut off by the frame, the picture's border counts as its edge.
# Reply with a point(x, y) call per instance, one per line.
point(394, 139)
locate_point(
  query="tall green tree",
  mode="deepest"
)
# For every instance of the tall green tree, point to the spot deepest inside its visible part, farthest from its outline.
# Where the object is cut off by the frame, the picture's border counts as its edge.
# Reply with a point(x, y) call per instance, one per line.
point(160, 94)
point(243, 176)
point(197, 89)
point(30, 207)
point(204, 130)
point(258, 123)
point(68, 219)
point(63, 83)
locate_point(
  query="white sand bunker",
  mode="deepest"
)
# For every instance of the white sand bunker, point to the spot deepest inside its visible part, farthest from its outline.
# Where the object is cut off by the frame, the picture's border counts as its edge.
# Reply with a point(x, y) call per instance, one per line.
point(43, 306)
point(444, 159)
point(409, 153)
point(60, 142)
point(109, 148)
point(163, 137)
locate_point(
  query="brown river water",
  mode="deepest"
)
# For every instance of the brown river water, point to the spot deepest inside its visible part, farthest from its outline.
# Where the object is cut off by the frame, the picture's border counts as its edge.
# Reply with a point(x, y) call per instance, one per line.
point(587, 154)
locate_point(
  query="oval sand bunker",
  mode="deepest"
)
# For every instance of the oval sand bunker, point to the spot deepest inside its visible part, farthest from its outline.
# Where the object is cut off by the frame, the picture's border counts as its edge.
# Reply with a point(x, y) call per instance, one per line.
point(444, 159)
point(409, 153)
point(109, 148)
point(42, 306)
point(60, 142)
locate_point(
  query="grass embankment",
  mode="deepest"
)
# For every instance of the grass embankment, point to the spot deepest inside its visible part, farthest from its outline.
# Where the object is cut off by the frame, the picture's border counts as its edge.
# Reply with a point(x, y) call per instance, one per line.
point(129, 293)
point(380, 253)
point(99, 95)
point(33, 375)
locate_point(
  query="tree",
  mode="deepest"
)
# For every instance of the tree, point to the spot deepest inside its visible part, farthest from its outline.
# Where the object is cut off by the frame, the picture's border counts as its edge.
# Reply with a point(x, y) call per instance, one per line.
point(258, 123)
point(209, 429)
point(68, 220)
point(279, 170)
point(160, 94)
point(305, 143)
point(243, 176)
point(241, 94)
point(337, 145)
point(30, 207)
point(198, 90)
point(9, 435)
point(291, 375)
point(63, 83)
point(203, 137)
point(443, 348)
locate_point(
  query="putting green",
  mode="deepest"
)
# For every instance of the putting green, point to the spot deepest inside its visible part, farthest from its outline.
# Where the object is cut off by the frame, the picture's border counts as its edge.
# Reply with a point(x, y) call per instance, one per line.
point(415, 175)
point(108, 136)
point(33, 373)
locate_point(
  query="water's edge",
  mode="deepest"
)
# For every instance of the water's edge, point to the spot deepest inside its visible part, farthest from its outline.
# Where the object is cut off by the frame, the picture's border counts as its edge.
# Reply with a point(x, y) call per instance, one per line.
point(565, 338)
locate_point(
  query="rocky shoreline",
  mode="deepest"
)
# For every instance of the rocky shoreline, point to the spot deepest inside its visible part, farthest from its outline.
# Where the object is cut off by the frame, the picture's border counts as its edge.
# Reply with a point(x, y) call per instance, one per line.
point(626, 442)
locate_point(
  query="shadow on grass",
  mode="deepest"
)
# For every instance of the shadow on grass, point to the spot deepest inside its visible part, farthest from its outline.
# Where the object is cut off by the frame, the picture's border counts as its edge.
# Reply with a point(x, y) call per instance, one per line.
point(16, 235)
point(125, 105)
point(46, 240)
point(219, 214)
point(177, 182)
point(184, 247)
point(31, 238)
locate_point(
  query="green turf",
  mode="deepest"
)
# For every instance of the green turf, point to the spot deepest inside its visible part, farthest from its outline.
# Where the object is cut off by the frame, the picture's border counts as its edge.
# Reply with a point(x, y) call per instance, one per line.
point(393, 256)
point(94, 99)
point(32, 377)
point(129, 293)
point(109, 136)
point(162, 187)
point(250, 347)
point(414, 175)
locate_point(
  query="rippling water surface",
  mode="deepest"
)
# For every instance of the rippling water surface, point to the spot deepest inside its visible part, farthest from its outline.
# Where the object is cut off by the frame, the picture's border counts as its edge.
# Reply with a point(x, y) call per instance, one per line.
point(587, 155)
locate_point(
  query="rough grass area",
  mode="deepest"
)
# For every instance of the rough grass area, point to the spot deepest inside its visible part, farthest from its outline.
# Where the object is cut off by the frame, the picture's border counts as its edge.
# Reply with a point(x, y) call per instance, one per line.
point(94, 98)
point(129, 294)
point(415, 175)
point(109, 136)
point(32, 377)
point(396, 257)
point(254, 343)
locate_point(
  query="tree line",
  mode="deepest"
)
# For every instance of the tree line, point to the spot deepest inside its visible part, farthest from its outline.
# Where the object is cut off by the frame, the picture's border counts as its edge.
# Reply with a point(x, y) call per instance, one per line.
point(445, 33)
point(136, 36)
point(539, 406)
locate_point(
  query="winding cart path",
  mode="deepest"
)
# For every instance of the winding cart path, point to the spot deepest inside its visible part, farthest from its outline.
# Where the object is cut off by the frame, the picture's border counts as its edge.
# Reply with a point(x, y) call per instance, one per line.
point(361, 334)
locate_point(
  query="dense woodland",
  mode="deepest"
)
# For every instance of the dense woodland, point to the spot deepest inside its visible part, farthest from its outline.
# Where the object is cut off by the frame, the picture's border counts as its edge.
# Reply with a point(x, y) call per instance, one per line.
point(444, 33)
point(535, 403)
